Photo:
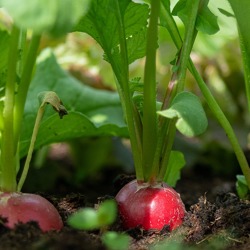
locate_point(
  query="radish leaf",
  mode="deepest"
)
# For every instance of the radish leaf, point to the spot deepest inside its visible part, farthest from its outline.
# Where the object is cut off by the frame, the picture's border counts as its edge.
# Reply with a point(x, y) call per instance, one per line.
point(206, 21)
point(56, 17)
point(89, 218)
point(102, 14)
point(187, 109)
point(175, 164)
point(91, 112)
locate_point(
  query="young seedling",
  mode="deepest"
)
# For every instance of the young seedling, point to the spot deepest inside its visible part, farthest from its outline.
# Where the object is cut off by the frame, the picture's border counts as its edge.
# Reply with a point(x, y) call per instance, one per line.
point(113, 240)
point(100, 219)
point(92, 219)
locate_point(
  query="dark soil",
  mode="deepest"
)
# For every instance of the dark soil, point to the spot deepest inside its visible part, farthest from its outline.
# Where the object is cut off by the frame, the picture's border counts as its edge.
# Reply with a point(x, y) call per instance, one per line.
point(216, 219)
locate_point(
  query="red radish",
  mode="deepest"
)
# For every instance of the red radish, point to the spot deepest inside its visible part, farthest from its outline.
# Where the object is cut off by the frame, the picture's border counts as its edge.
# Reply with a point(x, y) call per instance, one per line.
point(23, 207)
point(150, 207)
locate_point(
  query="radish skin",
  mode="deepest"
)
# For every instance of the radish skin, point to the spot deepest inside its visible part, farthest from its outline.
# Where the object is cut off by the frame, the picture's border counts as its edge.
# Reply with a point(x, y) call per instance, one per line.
point(150, 207)
point(23, 207)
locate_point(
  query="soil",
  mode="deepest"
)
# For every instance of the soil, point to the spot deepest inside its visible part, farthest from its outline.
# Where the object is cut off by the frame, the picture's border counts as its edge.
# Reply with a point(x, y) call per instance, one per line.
point(216, 218)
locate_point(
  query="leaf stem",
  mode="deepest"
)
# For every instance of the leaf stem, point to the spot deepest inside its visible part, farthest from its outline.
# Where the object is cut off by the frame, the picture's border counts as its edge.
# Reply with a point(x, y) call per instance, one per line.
point(22, 52)
point(132, 115)
point(24, 86)
point(149, 95)
point(39, 117)
point(218, 113)
point(47, 97)
point(246, 64)
point(178, 83)
point(187, 44)
point(8, 166)
point(164, 170)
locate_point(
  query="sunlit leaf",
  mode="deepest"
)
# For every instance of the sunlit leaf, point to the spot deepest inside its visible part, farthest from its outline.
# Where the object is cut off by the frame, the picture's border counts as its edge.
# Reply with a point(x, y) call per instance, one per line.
point(206, 21)
point(225, 12)
point(56, 17)
point(181, 9)
point(104, 14)
point(187, 109)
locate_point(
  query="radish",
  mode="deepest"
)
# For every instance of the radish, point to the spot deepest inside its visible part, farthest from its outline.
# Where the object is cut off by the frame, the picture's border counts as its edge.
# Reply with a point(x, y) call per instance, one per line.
point(22, 207)
point(150, 207)
point(18, 207)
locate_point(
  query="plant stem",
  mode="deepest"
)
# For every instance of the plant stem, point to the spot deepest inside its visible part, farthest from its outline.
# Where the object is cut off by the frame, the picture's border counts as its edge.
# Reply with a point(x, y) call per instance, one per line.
point(24, 86)
point(178, 83)
point(132, 116)
point(187, 45)
point(213, 105)
point(8, 166)
point(47, 97)
point(39, 117)
point(170, 131)
point(246, 64)
point(241, 15)
point(149, 95)
point(22, 52)
point(218, 113)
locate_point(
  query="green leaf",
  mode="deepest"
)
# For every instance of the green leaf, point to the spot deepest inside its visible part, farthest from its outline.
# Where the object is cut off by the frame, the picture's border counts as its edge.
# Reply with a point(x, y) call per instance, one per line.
point(136, 85)
point(175, 164)
point(90, 219)
point(114, 241)
point(226, 13)
point(206, 21)
point(241, 187)
point(166, 4)
point(84, 219)
point(91, 112)
point(136, 46)
point(103, 14)
point(107, 213)
point(187, 109)
point(56, 17)
point(181, 9)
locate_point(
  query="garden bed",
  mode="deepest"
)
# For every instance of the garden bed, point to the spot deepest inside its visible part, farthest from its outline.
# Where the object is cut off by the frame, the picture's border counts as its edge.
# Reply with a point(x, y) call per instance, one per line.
point(216, 218)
